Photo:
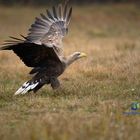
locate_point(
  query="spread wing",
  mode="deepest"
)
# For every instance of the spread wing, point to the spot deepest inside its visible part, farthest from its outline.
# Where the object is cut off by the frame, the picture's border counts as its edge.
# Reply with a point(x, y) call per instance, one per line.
point(43, 43)
point(51, 27)
point(33, 55)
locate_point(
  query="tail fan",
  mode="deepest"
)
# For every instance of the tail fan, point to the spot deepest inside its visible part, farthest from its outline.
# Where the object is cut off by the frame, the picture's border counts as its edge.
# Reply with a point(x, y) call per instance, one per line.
point(27, 87)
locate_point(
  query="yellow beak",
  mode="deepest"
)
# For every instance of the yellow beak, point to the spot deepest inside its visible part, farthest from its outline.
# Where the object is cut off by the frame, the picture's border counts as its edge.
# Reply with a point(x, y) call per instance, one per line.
point(82, 55)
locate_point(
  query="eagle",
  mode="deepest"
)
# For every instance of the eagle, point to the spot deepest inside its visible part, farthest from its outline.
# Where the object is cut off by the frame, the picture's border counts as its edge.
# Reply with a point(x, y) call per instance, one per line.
point(42, 49)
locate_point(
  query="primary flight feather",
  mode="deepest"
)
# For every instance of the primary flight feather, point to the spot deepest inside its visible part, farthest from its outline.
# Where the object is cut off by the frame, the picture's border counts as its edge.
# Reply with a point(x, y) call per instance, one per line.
point(42, 50)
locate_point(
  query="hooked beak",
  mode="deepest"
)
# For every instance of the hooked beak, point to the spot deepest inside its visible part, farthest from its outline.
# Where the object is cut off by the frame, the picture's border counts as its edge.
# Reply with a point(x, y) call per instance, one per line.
point(82, 55)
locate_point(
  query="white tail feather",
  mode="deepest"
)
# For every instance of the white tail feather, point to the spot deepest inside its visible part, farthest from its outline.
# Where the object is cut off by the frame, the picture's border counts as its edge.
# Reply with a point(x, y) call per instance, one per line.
point(26, 87)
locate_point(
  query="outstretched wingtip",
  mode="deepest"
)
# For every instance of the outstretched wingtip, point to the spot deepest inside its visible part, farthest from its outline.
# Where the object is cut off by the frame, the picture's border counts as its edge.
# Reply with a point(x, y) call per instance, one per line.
point(4, 46)
point(67, 11)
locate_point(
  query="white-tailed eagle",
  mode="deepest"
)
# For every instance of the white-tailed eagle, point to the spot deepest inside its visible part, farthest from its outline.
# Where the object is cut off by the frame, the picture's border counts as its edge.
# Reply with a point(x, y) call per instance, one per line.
point(42, 50)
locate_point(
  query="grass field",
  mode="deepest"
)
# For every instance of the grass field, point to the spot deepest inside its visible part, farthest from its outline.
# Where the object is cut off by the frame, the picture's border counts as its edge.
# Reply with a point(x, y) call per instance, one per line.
point(95, 91)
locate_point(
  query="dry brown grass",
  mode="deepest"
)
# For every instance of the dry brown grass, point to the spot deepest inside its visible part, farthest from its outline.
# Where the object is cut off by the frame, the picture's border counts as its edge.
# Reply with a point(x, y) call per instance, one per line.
point(95, 91)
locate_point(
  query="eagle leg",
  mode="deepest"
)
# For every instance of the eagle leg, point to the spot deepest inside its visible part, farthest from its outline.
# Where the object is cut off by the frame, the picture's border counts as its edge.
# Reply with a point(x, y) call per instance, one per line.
point(54, 83)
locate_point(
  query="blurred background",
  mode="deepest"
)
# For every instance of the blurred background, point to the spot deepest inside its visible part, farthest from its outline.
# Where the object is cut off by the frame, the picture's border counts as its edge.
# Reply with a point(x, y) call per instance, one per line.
point(94, 92)
point(42, 2)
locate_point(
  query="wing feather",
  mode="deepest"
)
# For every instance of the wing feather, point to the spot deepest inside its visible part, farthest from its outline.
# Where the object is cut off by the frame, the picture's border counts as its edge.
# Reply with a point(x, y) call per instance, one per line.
point(55, 12)
point(69, 16)
point(33, 55)
point(60, 11)
point(49, 15)
point(51, 27)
